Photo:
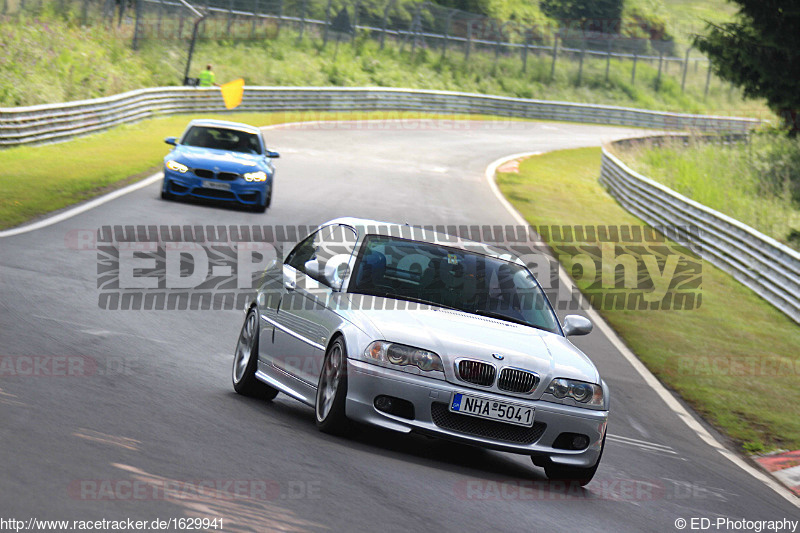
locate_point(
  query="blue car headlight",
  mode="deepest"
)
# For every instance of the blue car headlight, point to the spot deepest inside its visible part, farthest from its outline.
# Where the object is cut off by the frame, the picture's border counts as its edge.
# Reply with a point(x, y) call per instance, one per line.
point(177, 167)
point(256, 176)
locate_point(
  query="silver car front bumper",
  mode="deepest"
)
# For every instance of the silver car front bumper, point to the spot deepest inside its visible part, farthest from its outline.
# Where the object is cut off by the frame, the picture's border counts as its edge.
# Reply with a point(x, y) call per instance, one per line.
point(365, 382)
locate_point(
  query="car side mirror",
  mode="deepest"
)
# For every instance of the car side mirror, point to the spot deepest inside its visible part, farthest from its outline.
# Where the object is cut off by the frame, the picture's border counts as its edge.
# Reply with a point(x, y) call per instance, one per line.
point(576, 325)
point(273, 155)
point(171, 140)
point(329, 273)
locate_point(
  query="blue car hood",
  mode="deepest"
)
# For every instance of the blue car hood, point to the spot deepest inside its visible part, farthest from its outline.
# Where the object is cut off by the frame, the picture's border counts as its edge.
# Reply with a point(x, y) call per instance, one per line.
point(222, 160)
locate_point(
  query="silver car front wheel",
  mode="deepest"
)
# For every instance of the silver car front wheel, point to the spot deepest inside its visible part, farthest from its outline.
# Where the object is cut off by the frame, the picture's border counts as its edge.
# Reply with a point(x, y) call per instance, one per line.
point(245, 361)
point(332, 390)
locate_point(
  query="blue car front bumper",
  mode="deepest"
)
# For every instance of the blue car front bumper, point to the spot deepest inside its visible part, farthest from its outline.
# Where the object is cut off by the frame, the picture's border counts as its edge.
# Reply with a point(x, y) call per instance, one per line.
point(187, 184)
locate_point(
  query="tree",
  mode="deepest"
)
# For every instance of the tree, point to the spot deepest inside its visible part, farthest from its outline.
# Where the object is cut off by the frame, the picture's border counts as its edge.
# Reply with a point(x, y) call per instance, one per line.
point(591, 15)
point(760, 52)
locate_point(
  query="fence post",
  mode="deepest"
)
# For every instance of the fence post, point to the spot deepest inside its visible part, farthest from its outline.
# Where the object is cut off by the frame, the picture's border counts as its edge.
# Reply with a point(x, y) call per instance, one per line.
point(448, 21)
point(555, 57)
point(660, 63)
point(469, 41)
point(608, 58)
point(230, 17)
point(327, 24)
point(580, 63)
point(500, 37)
point(685, 68)
point(416, 26)
point(385, 21)
point(84, 12)
point(137, 24)
point(355, 21)
point(160, 18)
point(708, 80)
point(302, 21)
point(633, 70)
point(280, 18)
point(525, 50)
point(181, 16)
point(255, 19)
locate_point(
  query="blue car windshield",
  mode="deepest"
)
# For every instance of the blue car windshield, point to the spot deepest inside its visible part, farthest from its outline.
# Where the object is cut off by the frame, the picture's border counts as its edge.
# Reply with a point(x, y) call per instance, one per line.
point(475, 283)
point(222, 139)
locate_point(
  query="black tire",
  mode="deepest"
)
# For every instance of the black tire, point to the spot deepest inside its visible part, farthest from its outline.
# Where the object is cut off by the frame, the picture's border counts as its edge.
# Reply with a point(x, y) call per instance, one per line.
point(166, 195)
point(329, 408)
point(571, 474)
point(245, 361)
point(269, 198)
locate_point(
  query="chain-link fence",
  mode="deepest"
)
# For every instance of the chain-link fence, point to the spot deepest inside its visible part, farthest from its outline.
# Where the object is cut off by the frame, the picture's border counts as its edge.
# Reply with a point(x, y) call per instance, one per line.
point(407, 24)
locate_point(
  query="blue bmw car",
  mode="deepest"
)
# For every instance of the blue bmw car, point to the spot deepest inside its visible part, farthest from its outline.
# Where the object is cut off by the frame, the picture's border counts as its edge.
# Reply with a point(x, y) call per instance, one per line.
point(220, 160)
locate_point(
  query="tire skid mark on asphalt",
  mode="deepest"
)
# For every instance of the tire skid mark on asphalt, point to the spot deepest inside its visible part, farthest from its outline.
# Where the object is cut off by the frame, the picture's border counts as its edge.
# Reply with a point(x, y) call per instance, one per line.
point(6, 398)
point(240, 511)
point(104, 438)
point(671, 402)
point(91, 330)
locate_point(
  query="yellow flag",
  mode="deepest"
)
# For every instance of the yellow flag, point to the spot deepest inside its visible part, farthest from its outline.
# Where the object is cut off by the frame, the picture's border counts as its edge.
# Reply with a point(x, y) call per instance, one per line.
point(232, 92)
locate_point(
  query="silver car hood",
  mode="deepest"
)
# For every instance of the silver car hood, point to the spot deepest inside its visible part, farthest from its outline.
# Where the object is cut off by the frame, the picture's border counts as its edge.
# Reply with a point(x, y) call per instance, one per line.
point(455, 334)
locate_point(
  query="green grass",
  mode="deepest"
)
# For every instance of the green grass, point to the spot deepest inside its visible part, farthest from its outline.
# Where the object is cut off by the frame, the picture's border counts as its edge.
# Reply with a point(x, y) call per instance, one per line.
point(757, 183)
point(70, 172)
point(51, 59)
point(735, 359)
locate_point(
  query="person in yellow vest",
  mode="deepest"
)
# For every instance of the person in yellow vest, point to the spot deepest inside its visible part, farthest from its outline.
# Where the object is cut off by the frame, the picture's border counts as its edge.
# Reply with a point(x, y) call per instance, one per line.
point(207, 78)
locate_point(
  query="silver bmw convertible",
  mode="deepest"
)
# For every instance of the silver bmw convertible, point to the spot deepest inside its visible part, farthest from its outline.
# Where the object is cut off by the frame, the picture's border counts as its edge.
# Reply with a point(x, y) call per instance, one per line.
point(410, 330)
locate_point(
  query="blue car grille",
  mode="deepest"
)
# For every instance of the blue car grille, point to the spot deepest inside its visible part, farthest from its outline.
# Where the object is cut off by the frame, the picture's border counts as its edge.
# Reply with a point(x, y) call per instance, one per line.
point(204, 173)
point(489, 429)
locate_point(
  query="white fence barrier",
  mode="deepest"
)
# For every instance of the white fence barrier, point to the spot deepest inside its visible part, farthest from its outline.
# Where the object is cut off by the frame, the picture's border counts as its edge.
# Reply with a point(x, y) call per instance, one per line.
point(768, 267)
point(55, 122)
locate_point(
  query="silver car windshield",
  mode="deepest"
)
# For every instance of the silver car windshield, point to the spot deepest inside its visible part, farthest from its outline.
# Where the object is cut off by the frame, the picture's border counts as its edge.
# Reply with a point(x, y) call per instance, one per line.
point(222, 139)
point(451, 277)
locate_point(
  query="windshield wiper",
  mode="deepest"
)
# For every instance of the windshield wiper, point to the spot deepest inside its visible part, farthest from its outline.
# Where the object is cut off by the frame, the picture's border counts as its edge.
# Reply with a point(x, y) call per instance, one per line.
point(501, 316)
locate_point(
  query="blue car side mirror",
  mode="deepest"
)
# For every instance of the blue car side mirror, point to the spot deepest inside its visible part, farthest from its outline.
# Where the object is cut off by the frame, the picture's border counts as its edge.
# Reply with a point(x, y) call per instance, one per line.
point(171, 140)
point(273, 155)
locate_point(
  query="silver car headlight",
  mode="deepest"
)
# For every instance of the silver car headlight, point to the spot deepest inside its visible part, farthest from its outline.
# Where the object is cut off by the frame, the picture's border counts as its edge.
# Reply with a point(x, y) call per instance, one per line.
point(402, 355)
point(177, 167)
point(256, 176)
point(584, 394)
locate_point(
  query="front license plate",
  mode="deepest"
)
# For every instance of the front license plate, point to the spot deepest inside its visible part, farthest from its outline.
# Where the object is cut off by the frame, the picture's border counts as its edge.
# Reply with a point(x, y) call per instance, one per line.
point(492, 409)
point(216, 185)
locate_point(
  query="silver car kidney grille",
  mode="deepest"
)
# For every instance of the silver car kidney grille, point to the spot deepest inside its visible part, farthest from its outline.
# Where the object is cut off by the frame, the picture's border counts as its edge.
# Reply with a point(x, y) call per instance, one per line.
point(476, 372)
point(516, 380)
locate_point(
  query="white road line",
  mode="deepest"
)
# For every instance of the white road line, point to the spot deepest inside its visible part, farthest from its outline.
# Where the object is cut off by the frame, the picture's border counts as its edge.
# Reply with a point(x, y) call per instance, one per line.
point(648, 377)
point(82, 208)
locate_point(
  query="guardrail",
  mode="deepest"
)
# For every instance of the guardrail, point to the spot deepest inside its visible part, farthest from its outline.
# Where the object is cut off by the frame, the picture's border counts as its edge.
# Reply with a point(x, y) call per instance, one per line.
point(57, 122)
point(769, 268)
